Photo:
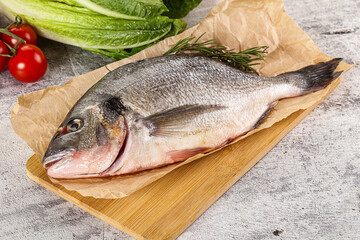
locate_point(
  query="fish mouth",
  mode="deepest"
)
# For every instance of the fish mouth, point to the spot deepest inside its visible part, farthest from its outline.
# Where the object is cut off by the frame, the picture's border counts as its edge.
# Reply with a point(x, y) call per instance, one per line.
point(50, 160)
point(83, 164)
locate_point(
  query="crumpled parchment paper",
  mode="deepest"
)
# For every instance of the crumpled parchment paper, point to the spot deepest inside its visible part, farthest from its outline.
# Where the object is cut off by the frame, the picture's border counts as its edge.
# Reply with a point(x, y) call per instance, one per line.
point(237, 24)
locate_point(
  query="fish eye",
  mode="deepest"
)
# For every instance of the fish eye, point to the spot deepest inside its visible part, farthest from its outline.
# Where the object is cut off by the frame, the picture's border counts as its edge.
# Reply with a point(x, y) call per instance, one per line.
point(74, 125)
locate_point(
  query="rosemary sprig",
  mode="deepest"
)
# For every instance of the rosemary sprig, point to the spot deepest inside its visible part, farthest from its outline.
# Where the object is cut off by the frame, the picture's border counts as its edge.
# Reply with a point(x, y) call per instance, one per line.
point(244, 60)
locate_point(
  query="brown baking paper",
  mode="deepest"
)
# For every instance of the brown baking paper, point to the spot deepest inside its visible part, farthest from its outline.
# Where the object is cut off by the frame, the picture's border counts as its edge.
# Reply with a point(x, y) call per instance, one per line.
point(238, 24)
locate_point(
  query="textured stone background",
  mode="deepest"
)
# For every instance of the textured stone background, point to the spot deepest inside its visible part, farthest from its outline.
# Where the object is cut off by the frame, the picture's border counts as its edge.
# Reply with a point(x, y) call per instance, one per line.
point(307, 187)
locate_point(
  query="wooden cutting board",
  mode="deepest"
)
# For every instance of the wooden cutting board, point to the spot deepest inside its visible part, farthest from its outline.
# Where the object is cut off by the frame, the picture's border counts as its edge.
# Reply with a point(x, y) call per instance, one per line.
point(165, 208)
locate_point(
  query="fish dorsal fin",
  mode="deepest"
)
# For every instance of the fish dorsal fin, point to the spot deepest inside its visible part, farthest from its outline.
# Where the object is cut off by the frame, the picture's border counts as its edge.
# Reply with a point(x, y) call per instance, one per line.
point(173, 121)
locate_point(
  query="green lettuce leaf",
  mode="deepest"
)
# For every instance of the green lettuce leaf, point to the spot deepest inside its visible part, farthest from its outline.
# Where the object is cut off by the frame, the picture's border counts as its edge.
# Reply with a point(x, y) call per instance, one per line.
point(117, 54)
point(116, 38)
point(177, 27)
point(126, 9)
point(180, 8)
point(68, 2)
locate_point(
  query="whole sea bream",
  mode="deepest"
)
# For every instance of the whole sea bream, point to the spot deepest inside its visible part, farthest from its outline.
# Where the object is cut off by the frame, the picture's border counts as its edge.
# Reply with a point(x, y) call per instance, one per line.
point(163, 110)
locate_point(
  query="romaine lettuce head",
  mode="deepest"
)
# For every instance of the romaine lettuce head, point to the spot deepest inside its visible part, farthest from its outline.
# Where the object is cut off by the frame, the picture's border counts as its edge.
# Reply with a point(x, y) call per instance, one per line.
point(85, 28)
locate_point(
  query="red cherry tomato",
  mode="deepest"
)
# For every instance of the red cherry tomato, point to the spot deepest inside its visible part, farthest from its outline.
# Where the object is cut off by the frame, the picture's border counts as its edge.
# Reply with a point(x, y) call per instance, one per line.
point(3, 60)
point(24, 31)
point(29, 64)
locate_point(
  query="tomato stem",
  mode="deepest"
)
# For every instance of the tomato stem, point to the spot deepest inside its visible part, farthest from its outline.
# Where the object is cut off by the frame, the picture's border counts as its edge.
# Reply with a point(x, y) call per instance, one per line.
point(6, 32)
point(8, 26)
point(6, 55)
point(18, 22)
point(13, 50)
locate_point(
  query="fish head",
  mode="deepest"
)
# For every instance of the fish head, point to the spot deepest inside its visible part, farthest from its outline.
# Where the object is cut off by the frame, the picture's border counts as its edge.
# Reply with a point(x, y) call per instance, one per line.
point(88, 141)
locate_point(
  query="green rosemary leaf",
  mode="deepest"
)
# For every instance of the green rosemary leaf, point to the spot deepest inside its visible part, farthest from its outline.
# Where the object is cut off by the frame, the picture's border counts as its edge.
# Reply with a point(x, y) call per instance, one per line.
point(243, 60)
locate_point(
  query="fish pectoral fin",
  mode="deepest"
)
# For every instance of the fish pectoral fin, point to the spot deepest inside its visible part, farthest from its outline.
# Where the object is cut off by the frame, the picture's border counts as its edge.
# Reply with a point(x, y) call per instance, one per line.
point(173, 121)
point(265, 114)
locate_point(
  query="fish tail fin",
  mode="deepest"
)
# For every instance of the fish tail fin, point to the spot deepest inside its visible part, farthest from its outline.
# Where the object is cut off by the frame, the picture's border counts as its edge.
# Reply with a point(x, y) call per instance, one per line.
point(318, 76)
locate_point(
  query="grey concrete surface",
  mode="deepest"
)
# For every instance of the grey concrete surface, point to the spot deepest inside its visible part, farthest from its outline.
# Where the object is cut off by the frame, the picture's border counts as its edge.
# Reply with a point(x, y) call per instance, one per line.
point(307, 187)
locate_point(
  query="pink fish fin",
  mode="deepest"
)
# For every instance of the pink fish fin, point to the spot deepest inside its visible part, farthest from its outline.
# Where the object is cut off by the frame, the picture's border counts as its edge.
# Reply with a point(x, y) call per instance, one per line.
point(265, 114)
point(173, 121)
point(180, 155)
